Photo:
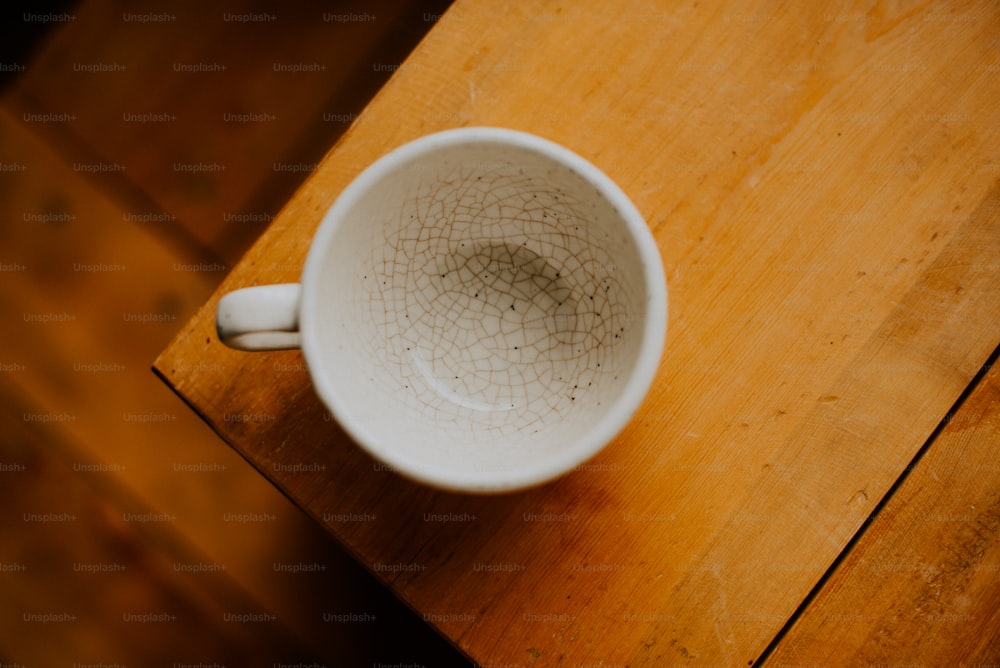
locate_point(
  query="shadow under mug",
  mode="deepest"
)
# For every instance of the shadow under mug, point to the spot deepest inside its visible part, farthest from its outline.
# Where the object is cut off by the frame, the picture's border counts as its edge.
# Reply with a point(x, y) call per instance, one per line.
point(481, 309)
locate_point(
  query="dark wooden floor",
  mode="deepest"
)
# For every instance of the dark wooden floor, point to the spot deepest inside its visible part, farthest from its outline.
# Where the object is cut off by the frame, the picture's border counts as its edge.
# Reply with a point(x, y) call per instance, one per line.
point(141, 152)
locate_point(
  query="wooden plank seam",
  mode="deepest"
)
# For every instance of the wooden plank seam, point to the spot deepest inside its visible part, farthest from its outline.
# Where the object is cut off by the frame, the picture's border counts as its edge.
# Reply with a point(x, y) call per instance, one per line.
point(879, 507)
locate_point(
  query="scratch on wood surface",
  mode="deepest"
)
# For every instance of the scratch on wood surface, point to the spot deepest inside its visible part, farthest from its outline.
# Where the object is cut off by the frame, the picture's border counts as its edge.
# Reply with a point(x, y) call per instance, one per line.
point(723, 618)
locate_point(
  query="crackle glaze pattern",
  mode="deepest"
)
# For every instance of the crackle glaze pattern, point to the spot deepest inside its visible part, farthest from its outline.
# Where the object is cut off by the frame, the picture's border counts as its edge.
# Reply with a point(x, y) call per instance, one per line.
point(499, 291)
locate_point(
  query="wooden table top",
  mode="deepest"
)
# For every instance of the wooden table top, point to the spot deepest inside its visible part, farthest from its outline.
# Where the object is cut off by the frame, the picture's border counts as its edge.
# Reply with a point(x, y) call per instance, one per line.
point(824, 187)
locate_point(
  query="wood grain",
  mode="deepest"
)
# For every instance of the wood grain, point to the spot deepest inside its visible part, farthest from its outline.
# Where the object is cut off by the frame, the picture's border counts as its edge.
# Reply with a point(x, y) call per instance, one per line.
point(821, 185)
point(88, 298)
point(932, 555)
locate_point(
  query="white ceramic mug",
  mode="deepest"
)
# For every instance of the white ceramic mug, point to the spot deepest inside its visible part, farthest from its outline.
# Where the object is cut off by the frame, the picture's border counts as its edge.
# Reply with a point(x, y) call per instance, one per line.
point(481, 309)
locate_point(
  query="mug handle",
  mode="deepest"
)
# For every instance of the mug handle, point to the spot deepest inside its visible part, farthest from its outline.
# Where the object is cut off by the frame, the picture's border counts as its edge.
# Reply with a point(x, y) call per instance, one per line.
point(264, 317)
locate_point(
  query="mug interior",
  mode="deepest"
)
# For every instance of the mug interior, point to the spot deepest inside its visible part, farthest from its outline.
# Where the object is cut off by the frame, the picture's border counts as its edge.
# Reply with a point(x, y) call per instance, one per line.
point(475, 310)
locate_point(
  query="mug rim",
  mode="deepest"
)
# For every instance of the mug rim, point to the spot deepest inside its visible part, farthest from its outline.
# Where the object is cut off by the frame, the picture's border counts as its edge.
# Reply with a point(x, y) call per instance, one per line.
point(565, 459)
